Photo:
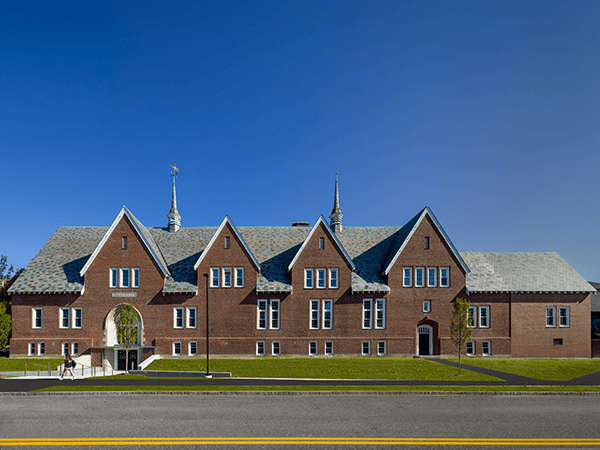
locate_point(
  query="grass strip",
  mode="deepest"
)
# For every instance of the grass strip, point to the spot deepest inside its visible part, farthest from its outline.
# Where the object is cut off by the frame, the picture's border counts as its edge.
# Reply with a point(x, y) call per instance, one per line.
point(18, 364)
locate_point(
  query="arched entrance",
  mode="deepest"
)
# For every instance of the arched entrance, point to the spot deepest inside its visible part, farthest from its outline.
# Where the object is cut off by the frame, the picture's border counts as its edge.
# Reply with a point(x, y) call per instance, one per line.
point(115, 354)
point(425, 340)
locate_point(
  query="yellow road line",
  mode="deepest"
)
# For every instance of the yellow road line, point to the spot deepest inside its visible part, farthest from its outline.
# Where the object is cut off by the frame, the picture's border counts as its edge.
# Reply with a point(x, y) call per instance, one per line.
point(296, 441)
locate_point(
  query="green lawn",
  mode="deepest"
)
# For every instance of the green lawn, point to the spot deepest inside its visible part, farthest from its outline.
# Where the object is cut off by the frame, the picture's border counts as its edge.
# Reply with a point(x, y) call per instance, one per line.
point(540, 369)
point(324, 368)
point(18, 364)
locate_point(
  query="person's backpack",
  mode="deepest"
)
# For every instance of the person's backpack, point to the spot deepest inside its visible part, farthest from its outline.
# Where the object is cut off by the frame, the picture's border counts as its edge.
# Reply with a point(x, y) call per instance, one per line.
point(73, 363)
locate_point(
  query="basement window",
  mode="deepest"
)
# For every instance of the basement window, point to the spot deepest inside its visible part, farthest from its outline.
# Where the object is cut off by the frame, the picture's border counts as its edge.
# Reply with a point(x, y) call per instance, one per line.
point(558, 342)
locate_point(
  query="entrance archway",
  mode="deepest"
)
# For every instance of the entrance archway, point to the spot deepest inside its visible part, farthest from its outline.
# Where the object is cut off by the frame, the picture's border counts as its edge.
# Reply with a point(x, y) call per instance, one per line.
point(425, 340)
point(115, 353)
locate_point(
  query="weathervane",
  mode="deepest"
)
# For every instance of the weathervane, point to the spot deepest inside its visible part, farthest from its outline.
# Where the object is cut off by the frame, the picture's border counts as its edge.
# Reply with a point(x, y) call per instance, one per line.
point(174, 171)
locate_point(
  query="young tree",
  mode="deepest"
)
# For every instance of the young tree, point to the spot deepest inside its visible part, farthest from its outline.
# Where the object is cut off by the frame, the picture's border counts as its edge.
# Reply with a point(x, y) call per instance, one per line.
point(7, 278)
point(126, 320)
point(460, 329)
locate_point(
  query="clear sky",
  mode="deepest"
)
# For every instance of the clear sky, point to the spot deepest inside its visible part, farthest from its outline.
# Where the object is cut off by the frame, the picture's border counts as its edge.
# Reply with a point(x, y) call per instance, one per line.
point(488, 112)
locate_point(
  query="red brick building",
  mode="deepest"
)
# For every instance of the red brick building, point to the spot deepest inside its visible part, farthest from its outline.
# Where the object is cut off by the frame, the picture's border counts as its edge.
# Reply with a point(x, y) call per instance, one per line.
point(299, 290)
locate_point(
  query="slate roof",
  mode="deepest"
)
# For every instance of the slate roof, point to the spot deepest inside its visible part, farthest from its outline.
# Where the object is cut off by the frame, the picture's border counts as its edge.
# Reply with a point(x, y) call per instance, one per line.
point(522, 272)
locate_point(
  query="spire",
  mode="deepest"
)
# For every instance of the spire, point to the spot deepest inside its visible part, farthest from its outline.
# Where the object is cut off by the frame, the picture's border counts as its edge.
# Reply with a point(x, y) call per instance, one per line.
point(335, 218)
point(173, 216)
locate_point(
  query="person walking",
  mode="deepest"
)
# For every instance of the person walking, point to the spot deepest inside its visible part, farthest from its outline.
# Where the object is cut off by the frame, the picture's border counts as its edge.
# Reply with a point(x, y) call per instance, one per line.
point(69, 365)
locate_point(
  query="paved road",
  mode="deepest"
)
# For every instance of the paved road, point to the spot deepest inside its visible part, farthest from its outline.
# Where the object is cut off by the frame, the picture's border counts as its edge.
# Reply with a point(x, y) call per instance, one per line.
point(363, 418)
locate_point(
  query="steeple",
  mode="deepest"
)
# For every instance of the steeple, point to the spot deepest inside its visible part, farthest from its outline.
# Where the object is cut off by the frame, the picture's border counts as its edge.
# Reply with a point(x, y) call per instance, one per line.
point(335, 218)
point(173, 216)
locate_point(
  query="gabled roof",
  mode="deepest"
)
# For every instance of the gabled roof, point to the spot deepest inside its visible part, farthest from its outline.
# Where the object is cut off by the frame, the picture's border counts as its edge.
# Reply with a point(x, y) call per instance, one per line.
point(407, 232)
point(321, 220)
point(522, 272)
point(142, 233)
point(227, 220)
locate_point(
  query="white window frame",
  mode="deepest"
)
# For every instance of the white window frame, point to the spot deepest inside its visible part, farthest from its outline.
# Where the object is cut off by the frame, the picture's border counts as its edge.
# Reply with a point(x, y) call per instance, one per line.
point(75, 310)
point(215, 276)
point(62, 319)
point(328, 349)
point(261, 309)
point(379, 310)
point(321, 278)
point(485, 352)
point(190, 352)
point(426, 306)
point(432, 276)
point(309, 281)
point(113, 277)
point(551, 316)
point(122, 272)
point(472, 351)
point(34, 318)
point(445, 279)
point(407, 276)
point(275, 348)
point(175, 344)
point(472, 317)
point(567, 317)
point(324, 320)
point(31, 348)
point(275, 315)
point(75, 348)
point(239, 277)
point(178, 313)
point(41, 348)
point(334, 280)
point(313, 349)
point(260, 348)
point(365, 348)
point(227, 273)
point(64, 348)
point(314, 316)
point(484, 318)
point(189, 318)
point(419, 270)
point(382, 347)
point(135, 277)
point(367, 314)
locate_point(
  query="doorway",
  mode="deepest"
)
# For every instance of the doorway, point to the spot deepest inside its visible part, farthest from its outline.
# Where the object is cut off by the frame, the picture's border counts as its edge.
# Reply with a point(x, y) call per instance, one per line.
point(425, 341)
point(127, 362)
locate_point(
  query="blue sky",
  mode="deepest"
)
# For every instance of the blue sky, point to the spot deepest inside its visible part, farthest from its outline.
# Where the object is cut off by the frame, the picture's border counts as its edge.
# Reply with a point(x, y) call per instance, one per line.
point(486, 111)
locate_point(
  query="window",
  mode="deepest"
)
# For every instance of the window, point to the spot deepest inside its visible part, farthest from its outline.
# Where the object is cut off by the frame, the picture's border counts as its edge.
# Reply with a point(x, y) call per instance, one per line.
point(314, 314)
point(125, 278)
point(136, 278)
point(77, 317)
point(239, 277)
point(321, 278)
point(262, 315)
point(426, 243)
point(276, 348)
point(191, 316)
point(366, 348)
point(484, 316)
point(470, 348)
point(327, 314)
point(32, 348)
point(75, 348)
point(432, 277)
point(381, 348)
point(380, 313)
point(420, 276)
point(558, 342)
point(407, 281)
point(124, 243)
point(275, 314)
point(333, 278)
point(367, 305)
point(65, 348)
point(227, 277)
point(426, 306)
point(178, 317)
point(472, 319)
point(226, 241)
point(312, 348)
point(41, 348)
point(193, 348)
point(260, 348)
point(177, 348)
point(309, 281)
point(486, 348)
point(329, 348)
point(37, 318)
point(64, 318)
point(321, 243)
point(551, 316)
point(215, 280)
point(444, 276)
point(563, 316)
point(112, 281)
